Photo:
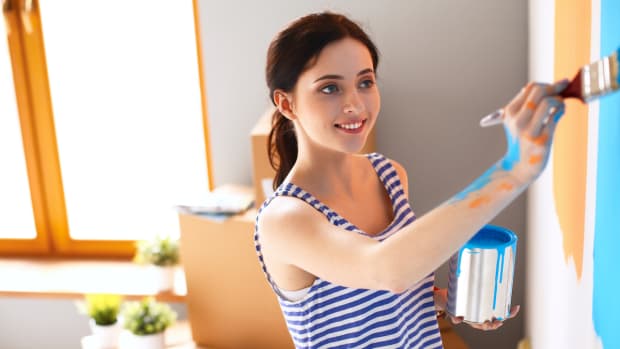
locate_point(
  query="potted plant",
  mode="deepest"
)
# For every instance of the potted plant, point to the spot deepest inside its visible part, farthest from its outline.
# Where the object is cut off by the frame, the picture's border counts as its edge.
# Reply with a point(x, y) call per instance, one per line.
point(103, 311)
point(145, 323)
point(162, 254)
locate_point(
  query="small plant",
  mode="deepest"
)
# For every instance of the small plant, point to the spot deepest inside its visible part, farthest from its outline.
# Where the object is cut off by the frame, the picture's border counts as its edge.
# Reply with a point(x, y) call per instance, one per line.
point(147, 316)
point(102, 308)
point(160, 251)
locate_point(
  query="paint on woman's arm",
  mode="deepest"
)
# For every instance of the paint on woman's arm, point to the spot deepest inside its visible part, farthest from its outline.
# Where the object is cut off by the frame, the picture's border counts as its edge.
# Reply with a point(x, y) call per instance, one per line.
point(540, 140)
point(477, 185)
point(512, 154)
point(510, 159)
point(479, 201)
point(505, 186)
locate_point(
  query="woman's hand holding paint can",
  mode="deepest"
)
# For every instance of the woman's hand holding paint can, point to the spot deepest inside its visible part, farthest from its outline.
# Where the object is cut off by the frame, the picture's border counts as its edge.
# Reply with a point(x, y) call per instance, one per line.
point(530, 120)
point(441, 304)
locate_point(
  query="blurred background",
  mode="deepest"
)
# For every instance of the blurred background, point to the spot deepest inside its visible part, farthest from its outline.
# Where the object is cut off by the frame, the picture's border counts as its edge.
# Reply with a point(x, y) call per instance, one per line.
point(114, 112)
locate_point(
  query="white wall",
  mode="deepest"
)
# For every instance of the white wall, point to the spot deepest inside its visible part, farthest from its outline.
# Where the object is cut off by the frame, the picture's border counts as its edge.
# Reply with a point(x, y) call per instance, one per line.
point(444, 64)
point(47, 323)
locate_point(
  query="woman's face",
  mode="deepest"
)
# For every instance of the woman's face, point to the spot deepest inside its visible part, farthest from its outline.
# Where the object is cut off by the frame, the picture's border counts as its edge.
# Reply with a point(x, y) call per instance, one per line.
point(336, 100)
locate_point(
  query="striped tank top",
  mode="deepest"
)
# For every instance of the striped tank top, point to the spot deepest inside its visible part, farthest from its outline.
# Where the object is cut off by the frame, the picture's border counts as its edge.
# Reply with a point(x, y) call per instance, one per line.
point(334, 316)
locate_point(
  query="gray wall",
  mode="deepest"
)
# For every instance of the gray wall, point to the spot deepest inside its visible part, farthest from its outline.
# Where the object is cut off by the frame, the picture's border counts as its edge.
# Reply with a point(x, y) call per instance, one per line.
point(444, 65)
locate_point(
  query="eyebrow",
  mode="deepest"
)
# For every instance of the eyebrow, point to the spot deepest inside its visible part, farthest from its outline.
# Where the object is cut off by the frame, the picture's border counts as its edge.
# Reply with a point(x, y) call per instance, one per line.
point(340, 77)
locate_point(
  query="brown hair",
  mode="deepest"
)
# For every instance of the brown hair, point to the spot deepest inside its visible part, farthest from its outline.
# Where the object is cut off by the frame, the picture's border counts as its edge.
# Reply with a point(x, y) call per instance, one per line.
point(288, 56)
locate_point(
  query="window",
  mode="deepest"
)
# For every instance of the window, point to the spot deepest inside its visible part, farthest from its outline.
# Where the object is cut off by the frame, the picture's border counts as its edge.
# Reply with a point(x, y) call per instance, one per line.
point(106, 130)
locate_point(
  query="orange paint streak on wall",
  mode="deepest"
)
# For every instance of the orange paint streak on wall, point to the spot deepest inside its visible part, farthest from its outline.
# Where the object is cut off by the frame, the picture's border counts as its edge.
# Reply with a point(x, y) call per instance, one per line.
point(572, 50)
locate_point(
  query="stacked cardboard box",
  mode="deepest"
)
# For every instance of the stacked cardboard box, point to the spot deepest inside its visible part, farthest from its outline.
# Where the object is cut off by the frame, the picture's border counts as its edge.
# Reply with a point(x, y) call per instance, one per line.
point(229, 302)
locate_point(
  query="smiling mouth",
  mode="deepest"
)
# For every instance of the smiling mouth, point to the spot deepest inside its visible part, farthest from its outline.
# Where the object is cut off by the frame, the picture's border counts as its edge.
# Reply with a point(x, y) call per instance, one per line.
point(351, 126)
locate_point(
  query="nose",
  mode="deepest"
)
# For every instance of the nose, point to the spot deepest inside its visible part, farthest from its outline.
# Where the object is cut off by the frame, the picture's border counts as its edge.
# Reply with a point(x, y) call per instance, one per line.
point(353, 103)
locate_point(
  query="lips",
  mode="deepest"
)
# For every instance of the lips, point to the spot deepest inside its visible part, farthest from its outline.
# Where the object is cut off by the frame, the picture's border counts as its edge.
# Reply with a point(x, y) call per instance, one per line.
point(352, 126)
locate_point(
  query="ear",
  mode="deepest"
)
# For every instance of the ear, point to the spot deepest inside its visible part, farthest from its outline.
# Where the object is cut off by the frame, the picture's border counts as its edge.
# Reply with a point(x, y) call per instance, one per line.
point(283, 102)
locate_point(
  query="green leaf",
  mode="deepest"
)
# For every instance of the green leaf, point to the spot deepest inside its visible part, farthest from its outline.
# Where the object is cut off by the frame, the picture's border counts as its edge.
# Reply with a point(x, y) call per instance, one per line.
point(147, 316)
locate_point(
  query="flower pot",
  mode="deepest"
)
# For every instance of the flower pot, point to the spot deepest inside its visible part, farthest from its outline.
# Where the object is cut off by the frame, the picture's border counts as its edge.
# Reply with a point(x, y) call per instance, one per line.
point(151, 341)
point(105, 336)
point(163, 277)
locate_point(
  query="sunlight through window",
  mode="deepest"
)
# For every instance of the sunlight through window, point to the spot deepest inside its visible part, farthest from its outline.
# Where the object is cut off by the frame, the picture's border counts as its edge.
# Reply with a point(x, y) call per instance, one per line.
point(125, 91)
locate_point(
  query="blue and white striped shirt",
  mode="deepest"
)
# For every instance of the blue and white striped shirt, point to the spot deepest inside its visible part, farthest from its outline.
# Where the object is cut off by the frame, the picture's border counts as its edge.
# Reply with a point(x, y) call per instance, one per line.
point(334, 316)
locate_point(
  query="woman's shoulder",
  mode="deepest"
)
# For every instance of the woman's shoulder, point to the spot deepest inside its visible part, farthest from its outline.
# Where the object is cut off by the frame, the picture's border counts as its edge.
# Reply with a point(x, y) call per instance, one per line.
point(284, 210)
point(400, 169)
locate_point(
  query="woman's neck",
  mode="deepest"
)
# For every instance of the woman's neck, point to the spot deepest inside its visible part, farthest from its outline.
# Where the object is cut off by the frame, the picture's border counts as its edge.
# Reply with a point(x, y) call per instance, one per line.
point(324, 171)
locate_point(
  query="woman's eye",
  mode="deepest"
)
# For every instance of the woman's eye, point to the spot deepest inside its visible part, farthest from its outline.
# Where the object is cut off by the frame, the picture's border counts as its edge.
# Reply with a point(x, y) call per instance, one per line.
point(367, 83)
point(329, 89)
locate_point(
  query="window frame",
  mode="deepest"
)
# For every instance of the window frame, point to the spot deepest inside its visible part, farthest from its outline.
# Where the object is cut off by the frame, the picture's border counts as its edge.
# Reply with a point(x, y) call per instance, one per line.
point(35, 111)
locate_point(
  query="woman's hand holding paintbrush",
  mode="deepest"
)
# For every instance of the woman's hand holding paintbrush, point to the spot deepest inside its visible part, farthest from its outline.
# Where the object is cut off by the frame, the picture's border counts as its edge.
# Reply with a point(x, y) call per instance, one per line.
point(530, 120)
point(591, 82)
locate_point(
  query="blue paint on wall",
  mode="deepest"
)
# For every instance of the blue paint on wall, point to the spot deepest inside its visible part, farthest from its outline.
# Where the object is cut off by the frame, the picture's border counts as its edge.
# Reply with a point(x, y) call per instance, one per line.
point(605, 302)
point(618, 56)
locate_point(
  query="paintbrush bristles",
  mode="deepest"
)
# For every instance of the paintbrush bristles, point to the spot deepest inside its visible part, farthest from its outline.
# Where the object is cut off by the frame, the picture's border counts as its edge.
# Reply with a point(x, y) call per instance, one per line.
point(599, 78)
point(591, 82)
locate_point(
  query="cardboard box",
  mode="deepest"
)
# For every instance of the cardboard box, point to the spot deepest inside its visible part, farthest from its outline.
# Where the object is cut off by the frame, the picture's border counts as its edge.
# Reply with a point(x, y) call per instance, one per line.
point(229, 302)
point(262, 172)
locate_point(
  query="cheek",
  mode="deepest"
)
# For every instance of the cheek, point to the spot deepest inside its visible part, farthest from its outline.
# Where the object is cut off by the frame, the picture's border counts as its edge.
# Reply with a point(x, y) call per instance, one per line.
point(309, 103)
point(373, 103)
point(315, 112)
point(320, 108)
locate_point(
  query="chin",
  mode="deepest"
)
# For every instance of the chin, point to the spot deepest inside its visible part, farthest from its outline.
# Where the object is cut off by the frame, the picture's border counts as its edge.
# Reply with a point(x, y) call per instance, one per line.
point(352, 148)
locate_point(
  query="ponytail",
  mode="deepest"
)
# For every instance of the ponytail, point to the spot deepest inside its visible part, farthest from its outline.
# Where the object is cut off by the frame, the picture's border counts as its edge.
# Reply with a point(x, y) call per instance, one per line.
point(281, 147)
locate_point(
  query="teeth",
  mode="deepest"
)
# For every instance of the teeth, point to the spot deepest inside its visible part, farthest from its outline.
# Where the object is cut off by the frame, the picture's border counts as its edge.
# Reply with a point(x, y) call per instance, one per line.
point(351, 126)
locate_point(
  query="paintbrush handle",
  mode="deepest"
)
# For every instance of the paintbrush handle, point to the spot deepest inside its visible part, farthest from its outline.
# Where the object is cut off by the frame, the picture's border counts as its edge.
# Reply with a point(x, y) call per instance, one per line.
point(573, 90)
point(495, 118)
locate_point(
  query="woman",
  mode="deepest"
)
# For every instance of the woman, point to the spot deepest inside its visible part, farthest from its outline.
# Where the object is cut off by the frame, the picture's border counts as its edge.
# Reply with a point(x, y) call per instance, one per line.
point(350, 264)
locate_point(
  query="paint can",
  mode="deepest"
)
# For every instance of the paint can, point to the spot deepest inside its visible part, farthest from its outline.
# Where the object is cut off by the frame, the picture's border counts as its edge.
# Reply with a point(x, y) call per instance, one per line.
point(481, 276)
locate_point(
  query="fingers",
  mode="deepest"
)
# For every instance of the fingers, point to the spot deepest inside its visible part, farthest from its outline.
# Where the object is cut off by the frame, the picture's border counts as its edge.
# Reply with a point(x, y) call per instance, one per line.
point(515, 105)
point(549, 110)
point(488, 325)
point(456, 319)
point(531, 104)
point(494, 324)
point(514, 311)
point(558, 87)
point(529, 97)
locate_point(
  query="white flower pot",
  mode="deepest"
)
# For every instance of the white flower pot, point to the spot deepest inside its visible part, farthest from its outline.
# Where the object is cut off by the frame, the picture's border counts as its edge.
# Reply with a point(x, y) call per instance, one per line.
point(105, 336)
point(151, 341)
point(163, 277)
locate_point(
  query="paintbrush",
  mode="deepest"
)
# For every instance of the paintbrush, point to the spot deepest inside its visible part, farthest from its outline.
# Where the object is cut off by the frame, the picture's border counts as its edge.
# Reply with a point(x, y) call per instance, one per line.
point(591, 82)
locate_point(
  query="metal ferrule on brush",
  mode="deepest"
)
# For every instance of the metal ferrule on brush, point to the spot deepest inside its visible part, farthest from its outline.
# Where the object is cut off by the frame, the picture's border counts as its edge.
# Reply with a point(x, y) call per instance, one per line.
point(600, 78)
